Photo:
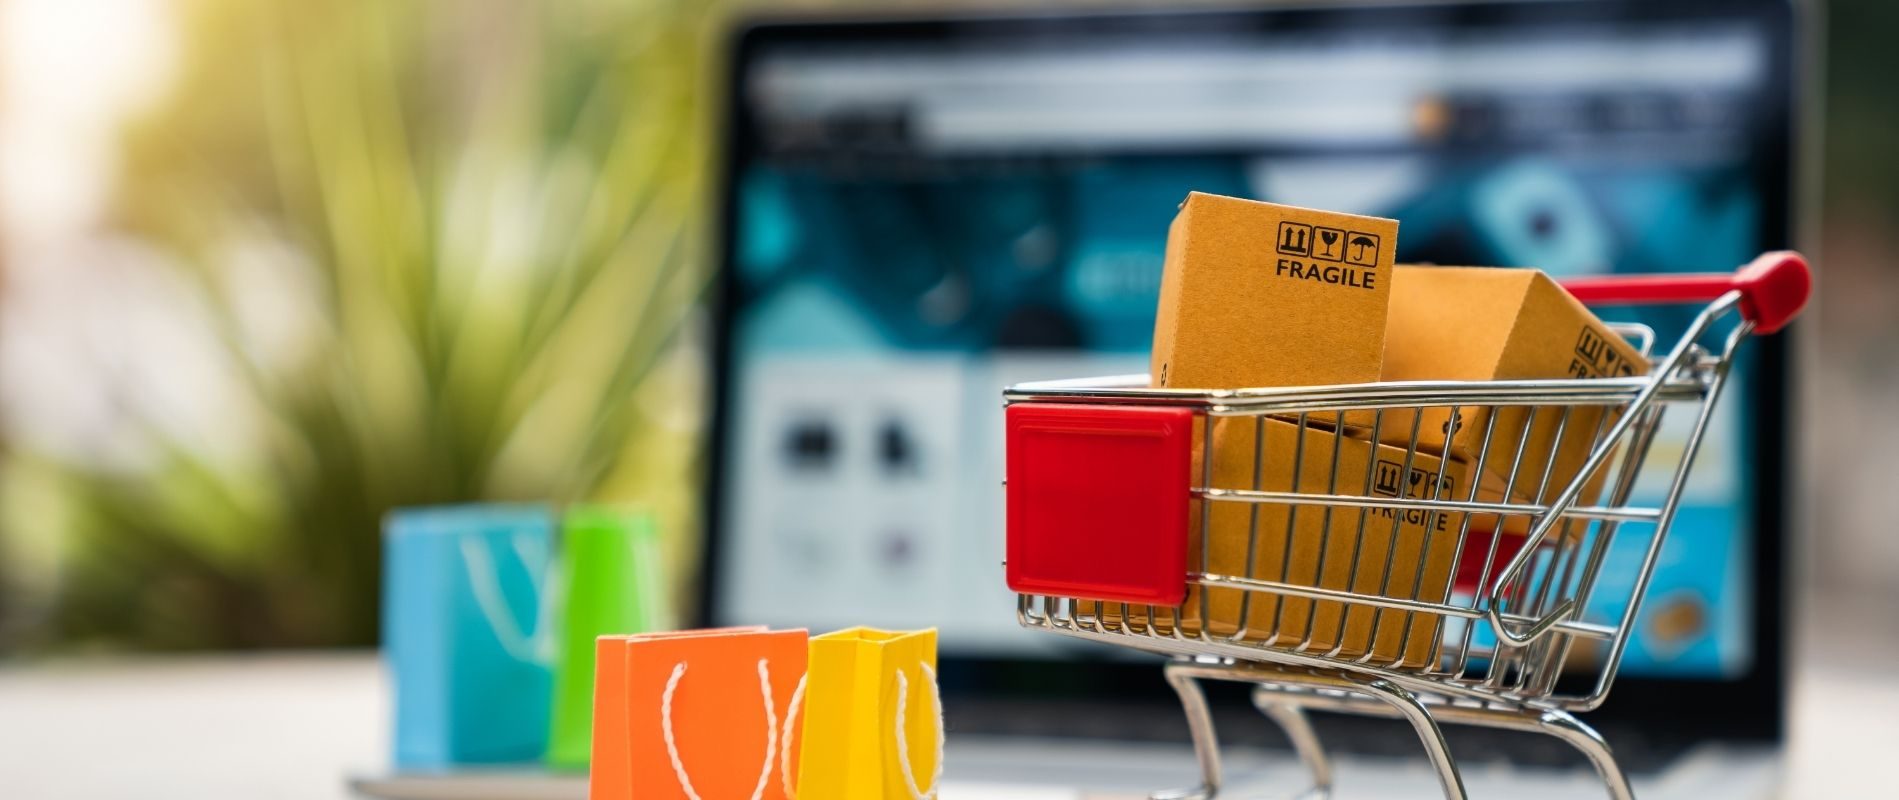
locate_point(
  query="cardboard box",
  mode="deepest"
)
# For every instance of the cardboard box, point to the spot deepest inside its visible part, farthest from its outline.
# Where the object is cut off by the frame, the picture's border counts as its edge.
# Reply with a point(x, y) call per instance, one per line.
point(1257, 294)
point(1481, 323)
point(1291, 543)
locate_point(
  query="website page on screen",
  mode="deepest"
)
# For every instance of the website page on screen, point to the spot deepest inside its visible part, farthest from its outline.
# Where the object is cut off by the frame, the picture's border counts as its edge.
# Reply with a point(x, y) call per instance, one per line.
point(917, 227)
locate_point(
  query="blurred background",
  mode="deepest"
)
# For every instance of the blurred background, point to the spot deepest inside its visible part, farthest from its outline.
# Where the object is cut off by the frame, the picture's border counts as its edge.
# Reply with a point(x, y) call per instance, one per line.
point(269, 269)
point(273, 269)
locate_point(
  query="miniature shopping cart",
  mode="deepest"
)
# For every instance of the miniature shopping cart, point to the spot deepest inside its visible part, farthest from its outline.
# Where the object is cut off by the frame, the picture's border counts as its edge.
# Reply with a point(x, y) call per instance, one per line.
point(1113, 495)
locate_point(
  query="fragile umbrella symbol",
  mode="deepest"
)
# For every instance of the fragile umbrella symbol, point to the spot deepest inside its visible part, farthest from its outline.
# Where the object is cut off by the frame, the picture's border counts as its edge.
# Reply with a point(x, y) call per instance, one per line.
point(1362, 242)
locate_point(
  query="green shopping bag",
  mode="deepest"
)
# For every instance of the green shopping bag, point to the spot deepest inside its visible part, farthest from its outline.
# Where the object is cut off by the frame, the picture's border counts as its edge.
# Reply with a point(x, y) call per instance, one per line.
point(610, 581)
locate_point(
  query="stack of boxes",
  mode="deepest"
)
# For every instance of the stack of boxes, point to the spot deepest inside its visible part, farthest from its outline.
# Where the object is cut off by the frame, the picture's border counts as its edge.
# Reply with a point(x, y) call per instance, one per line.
point(1263, 295)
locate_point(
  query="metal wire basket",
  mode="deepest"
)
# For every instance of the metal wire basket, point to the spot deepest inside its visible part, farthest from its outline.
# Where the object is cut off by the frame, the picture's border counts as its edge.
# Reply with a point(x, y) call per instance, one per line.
point(1339, 574)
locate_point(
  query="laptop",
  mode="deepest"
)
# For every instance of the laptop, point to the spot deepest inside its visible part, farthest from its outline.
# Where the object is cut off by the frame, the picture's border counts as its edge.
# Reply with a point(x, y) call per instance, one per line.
point(918, 212)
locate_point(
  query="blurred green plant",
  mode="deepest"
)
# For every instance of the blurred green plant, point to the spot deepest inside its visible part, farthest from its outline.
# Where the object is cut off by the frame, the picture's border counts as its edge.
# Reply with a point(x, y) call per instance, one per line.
point(441, 251)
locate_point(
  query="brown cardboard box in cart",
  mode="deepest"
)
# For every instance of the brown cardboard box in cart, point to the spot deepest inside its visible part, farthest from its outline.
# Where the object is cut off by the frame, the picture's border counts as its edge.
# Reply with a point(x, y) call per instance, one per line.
point(1259, 294)
point(1327, 547)
point(1485, 323)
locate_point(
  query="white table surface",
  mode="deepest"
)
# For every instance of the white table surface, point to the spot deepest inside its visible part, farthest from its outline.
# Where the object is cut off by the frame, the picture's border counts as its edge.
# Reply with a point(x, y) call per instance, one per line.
point(296, 725)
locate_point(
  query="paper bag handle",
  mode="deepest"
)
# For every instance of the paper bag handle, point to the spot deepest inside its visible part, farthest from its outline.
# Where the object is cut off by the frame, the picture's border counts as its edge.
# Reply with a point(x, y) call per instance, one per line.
point(672, 747)
point(485, 581)
point(784, 755)
point(903, 744)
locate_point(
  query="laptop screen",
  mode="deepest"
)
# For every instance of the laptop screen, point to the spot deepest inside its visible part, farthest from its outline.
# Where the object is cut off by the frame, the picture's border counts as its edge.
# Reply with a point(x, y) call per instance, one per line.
point(918, 221)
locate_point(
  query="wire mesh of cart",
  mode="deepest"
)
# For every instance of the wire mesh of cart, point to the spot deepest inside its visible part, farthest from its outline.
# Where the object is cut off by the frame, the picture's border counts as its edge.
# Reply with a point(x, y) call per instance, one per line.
point(1301, 539)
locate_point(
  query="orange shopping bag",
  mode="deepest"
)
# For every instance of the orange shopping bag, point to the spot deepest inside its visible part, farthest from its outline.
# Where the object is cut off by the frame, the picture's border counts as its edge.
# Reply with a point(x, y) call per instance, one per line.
point(695, 715)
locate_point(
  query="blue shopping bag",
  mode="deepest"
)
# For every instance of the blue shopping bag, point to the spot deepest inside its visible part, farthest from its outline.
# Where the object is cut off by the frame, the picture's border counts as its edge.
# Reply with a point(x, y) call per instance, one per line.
point(465, 632)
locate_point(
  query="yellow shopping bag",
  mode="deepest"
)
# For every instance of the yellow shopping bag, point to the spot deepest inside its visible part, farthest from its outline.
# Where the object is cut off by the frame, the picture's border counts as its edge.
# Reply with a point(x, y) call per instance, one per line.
point(873, 719)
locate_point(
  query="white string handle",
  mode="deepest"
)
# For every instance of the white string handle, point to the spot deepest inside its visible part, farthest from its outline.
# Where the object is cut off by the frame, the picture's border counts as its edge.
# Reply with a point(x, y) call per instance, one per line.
point(784, 742)
point(534, 647)
point(672, 747)
point(903, 744)
point(655, 614)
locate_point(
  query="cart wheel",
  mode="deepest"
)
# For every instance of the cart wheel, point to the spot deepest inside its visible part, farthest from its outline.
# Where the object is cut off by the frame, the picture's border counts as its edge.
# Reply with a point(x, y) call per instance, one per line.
point(1206, 741)
point(1305, 741)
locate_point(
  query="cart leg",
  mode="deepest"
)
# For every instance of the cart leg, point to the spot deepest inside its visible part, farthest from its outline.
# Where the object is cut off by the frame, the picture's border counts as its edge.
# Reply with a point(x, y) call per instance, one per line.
point(1292, 720)
point(1420, 718)
point(1206, 742)
point(1572, 730)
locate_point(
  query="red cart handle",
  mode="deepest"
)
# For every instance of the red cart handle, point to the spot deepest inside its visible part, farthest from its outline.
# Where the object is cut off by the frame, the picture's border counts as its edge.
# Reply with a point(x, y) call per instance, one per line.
point(1773, 289)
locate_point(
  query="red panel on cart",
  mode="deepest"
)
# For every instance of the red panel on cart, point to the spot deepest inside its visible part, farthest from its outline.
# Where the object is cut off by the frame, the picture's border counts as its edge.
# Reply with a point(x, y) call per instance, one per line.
point(1098, 501)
